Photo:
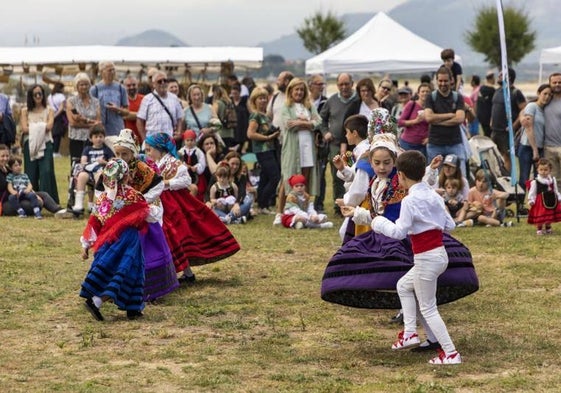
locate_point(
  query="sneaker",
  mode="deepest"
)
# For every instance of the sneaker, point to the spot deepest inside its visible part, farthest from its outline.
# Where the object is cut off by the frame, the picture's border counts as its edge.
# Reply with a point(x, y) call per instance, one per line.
point(397, 318)
point(226, 219)
point(243, 219)
point(64, 214)
point(93, 309)
point(427, 346)
point(539, 232)
point(38, 216)
point(184, 279)
point(406, 343)
point(326, 225)
point(57, 155)
point(21, 213)
point(299, 225)
point(548, 231)
point(466, 223)
point(278, 219)
point(442, 358)
point(507, 224)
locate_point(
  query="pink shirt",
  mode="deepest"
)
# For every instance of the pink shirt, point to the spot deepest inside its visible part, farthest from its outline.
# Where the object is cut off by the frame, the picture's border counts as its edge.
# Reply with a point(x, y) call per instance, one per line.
point(416, 133)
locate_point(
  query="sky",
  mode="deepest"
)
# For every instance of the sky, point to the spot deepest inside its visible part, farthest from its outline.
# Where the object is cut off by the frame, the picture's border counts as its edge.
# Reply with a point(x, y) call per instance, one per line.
point(197, 23)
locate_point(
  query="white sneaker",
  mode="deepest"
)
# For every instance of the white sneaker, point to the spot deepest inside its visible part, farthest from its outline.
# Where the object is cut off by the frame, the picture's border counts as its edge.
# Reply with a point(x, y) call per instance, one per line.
point(277, 220)
point(298, 225)
point(326, 225)
point(442, 358)
point(406, 342)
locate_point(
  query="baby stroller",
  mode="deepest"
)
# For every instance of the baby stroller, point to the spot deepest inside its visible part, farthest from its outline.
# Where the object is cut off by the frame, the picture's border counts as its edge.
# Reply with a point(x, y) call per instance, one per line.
point(486, 155)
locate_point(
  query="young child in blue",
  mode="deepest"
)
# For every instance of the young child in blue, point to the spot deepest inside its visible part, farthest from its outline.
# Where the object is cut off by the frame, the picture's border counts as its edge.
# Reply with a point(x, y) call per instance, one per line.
point(19, 187)
point(94, 158)
point(423, 217)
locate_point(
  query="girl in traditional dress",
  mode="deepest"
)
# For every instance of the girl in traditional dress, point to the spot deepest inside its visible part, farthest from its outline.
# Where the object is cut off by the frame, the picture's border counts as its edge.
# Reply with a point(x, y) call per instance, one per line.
point(195, 234)
point(160, 276)
point(543, 199)
point(113, 232)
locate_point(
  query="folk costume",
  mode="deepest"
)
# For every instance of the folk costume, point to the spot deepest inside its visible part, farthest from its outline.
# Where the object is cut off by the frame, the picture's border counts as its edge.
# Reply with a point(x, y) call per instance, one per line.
point(160, 276)
point(195, 235)
point(544, 200)
point(113, 232)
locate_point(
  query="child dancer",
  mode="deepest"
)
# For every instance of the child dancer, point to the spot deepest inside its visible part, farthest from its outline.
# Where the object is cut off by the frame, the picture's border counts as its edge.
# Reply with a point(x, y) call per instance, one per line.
point(299, 209)
point(195, 161)
point(19, 188)
point(113, 231)
point(543, 199)
point(194, 233)
point(424, 217)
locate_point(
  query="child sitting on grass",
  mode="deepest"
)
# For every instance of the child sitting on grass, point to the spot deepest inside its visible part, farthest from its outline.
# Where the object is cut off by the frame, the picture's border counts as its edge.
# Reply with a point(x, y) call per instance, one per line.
point(453, 200)
point(223, 197)
point(485, 205)
point(299, 209)
point(19, 187)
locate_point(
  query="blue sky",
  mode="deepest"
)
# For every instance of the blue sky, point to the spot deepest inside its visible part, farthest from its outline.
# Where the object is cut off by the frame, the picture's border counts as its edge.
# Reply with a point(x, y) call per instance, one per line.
point(197, 23)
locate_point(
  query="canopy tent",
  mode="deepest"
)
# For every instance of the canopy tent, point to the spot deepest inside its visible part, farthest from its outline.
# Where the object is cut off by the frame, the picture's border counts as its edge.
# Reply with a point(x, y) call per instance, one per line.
point(381, 45)
point(549, 56)
point(71, 59)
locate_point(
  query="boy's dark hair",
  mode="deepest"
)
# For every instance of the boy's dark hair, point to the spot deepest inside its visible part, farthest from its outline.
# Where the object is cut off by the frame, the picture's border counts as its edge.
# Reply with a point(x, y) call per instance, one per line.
point(13, 160)
point(412, 163)
point(358, 123)
point(97, 130)
point(447, 54)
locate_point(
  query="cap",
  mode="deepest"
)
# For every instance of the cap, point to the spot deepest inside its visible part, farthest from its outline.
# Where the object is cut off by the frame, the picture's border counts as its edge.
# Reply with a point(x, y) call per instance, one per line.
point(296, 179)
point(404, 90)
point(451, 159)
point(189, 134)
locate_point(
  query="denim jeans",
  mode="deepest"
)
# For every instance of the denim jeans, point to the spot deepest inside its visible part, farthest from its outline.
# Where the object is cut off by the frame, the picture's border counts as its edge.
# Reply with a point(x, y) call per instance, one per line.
point(444, 150)
point(419, 285)
point(413, 146)
point(526, 163)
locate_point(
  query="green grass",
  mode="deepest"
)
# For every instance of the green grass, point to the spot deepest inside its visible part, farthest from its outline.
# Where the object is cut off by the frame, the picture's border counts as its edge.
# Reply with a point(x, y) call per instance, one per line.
point(255, 322)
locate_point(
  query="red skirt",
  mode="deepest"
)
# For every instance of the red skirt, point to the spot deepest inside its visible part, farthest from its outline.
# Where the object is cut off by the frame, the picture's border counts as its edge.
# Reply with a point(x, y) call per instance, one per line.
point(539, 214)
point(195, 235)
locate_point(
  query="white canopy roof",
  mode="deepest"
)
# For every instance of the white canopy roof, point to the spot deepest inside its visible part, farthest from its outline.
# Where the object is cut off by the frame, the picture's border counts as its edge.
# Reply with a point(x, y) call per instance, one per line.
point(380, 45)
point(549, 56)
point(248, 57)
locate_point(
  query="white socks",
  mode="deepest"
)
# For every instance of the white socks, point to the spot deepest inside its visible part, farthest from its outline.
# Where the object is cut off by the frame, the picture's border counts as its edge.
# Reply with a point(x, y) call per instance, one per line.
point(79, 200)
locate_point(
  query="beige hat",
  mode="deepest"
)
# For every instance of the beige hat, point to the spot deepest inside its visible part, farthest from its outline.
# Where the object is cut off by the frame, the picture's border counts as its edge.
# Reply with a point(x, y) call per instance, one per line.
point(126, 139)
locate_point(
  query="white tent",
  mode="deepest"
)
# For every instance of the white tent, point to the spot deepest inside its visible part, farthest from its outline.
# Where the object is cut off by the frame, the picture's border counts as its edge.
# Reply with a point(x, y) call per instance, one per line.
point(380, 45)
point(549, 56)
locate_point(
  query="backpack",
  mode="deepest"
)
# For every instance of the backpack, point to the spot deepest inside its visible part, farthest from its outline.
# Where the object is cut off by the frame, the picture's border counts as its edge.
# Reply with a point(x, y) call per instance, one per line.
point(454, 97)
point(7, 130)
point(230, 118)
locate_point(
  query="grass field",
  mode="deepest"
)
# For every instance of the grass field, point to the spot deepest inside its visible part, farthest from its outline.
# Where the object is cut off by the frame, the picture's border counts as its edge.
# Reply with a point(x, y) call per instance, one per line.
point(255, 322)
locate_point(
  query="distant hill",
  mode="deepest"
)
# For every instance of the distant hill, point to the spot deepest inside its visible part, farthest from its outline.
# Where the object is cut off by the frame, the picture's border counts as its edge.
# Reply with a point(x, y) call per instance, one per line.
point(151, 38)
point(443, 23)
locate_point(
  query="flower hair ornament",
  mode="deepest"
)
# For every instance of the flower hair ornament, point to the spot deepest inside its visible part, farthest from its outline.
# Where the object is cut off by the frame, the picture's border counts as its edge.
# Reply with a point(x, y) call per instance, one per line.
point(113, 174)
point(381, 122)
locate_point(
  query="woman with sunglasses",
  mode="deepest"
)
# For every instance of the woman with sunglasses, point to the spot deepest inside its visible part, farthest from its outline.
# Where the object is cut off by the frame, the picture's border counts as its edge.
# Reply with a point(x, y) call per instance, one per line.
point(36, 125)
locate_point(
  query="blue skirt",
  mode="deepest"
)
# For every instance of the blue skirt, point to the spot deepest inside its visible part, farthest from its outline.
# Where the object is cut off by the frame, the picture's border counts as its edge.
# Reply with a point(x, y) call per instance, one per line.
point(117, 272)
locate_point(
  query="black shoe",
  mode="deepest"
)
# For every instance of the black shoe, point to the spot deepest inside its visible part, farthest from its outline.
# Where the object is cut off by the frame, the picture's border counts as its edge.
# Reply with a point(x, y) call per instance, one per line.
point(427, 346)
point(134, 314)
point(398, 318)
point(187, 279)
point(93, 309)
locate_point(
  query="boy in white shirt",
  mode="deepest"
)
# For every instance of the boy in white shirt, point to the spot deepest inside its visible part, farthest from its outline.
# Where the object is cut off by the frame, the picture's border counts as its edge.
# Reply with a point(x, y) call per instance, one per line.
point(423, 217)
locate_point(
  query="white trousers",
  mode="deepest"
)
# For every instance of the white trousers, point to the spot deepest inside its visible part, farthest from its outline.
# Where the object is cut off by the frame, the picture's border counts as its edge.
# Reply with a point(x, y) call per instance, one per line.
point(417, 292)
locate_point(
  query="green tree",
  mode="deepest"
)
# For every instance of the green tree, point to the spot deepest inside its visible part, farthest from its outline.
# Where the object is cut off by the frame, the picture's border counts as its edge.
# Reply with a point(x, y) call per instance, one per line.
point(484, 38)
point(319, 32)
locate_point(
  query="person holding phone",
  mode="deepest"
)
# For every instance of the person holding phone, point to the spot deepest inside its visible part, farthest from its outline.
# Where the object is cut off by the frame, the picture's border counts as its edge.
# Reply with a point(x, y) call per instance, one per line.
point(83, 111)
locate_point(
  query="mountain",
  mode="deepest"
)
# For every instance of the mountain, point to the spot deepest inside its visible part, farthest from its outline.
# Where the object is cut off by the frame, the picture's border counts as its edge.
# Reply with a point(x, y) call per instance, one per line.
point(443, 23)
point(151, 38)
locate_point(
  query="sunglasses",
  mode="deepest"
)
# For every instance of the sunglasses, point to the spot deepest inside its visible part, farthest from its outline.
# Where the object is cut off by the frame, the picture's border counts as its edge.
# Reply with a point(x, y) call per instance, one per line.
point(385, 88)
point(38, 94)
point(162, 81)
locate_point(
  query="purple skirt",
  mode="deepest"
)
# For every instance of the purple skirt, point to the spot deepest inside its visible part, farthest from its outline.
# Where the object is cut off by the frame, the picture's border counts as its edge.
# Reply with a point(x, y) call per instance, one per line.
point(160, 276)
point(364, 272)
